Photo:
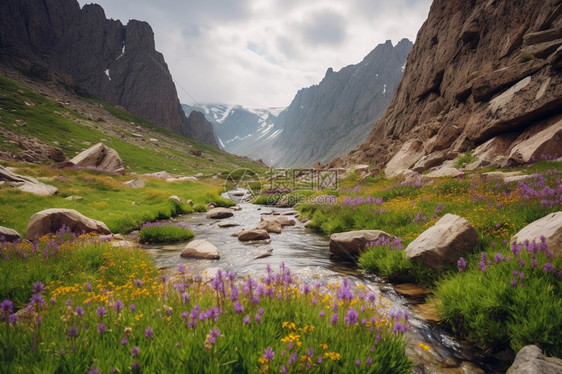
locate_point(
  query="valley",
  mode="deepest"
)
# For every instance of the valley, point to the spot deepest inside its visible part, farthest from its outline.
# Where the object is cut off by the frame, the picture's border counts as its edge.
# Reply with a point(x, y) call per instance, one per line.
point(402, 214)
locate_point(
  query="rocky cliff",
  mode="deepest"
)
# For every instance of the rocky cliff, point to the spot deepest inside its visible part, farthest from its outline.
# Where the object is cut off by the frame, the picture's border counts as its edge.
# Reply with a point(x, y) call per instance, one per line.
point(104, 58)
point(330, 118)
point(484, 75)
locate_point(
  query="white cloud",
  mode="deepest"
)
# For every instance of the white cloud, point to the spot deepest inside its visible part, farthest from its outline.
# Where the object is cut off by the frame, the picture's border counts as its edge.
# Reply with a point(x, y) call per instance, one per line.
point(260, 53)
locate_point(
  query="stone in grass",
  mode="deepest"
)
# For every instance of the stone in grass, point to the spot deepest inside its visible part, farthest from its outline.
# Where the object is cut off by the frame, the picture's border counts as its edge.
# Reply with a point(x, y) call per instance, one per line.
point(530, 360)
point(49, 221)
point(549, 226)
point(135, 183)
point(450, 238)
point(350, 244)
point(201, 249)
point(255, 234)
point(219, 213)
point(10, 235)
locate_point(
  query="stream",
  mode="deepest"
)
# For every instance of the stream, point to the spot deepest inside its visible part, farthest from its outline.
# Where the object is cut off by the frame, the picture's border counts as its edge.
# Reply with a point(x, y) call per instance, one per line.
point(307, 254)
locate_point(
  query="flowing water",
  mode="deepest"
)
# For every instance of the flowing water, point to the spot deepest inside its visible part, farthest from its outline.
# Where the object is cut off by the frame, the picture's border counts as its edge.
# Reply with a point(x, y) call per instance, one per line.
point(307, 254)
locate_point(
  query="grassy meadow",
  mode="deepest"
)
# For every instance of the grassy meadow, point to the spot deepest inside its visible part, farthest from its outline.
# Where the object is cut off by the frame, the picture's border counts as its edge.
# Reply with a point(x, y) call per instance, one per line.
point(83, 306)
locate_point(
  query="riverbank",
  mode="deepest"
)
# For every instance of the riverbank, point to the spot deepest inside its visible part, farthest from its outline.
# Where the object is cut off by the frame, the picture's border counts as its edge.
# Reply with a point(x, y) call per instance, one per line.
point(498, 296)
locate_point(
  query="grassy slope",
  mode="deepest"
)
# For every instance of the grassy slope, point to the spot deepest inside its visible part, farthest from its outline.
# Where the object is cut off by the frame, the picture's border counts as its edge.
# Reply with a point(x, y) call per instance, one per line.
point(73, 132)
point(104, 197)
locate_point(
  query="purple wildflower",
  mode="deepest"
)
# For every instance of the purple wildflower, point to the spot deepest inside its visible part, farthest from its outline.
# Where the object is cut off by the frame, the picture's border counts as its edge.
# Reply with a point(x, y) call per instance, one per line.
point(135, 351)
point(135, 366)
point(118, 306)
point(148, 332)
point(238, 308)
point(132, 307)
point(246, 319)
point(499, 257)
point(352, 317)
point(269, 354)
point(124, 341)
point(322, 313)
point(37, 299)
point(7, 306)
point(461, 264)
point(334, 319)
point(101, 328)
point(101, 311)
point(258, 318)
point(185, 297)
point(38, 287)
point(72, 332)
point(548, 267)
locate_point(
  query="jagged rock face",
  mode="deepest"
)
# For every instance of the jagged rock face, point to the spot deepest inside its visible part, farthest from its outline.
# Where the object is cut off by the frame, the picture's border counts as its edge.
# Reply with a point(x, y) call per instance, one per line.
point(201, 129)
point(330, 118)
point(104, 58)
point(479, 69)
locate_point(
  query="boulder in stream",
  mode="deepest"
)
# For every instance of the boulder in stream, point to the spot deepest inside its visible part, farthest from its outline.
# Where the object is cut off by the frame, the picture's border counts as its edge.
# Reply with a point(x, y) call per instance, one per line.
point(219, 213)
point(254, 234)
point(200, 249)
point(270, 225)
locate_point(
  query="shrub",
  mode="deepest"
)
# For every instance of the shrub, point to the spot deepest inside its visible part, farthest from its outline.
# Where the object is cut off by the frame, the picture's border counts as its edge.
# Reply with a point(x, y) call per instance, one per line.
point(158, 232)
point(511, 298)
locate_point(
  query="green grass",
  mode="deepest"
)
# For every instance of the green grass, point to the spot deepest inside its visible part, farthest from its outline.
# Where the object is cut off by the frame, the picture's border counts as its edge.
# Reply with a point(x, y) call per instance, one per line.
point(166, 233)
point(105, 198)
point(497, 314)
point(107, 308)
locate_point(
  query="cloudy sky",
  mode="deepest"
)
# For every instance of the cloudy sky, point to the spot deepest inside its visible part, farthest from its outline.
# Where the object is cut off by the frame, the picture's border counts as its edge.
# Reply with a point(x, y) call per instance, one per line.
point(259, 53)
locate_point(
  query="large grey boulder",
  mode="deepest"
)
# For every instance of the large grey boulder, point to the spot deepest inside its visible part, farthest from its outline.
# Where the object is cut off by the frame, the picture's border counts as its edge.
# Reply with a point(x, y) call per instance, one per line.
point(530, 360)
point(255, 234)
point(201, 249)
point(101, 157)
point(350, 244)
point(51, 220)
point(10, 235)
point(450, 238)
point(26, 184)
point(549, 226)
point(219, 213)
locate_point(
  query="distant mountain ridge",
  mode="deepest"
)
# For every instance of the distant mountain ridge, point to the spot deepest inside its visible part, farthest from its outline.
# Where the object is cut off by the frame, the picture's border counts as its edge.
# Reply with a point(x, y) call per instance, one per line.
point(323, 121)
point(331, 118)
point(115, 62)
point(240, 130)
